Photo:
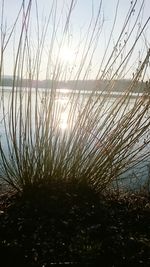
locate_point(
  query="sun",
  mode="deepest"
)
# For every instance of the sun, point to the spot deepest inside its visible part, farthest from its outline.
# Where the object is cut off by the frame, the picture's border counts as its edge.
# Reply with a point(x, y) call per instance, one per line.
point(67, 55)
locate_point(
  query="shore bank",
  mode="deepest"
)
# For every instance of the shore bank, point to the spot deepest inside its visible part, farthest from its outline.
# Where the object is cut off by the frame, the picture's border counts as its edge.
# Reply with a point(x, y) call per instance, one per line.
point(60, 225)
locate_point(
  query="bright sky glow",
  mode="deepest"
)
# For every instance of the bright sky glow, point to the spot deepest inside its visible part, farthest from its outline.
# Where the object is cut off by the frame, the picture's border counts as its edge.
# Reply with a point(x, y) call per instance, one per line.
point(73, 53)
point(67, 55)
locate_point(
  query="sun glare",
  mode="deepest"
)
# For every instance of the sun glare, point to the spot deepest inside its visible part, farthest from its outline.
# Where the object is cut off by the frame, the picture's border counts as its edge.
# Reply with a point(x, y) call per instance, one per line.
point(67, 54)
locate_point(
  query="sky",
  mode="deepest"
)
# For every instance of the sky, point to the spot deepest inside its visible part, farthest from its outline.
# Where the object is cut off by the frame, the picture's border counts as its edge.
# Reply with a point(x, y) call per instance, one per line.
point(78, 28)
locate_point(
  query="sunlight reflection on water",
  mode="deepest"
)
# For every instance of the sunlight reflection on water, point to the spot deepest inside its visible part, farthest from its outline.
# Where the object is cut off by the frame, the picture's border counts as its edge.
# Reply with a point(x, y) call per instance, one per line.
point(63, 104)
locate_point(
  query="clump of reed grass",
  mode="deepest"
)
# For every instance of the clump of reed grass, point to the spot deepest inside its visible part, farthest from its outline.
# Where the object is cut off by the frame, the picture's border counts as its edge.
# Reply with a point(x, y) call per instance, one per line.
point(98, 139)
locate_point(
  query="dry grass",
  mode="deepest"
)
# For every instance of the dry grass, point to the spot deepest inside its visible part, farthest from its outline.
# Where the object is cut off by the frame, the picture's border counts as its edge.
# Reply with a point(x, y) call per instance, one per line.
point(100, 140)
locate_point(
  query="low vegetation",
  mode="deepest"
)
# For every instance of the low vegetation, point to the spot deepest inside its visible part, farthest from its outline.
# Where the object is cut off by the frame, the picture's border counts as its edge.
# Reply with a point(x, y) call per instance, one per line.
point(99, 142)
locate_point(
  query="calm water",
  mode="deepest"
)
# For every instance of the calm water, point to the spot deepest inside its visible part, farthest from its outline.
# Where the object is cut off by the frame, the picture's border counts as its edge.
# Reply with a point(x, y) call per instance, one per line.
point(134, 177)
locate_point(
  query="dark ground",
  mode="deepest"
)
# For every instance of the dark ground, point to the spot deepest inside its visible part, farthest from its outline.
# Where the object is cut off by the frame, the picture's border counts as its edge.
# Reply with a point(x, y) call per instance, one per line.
point(74, 226)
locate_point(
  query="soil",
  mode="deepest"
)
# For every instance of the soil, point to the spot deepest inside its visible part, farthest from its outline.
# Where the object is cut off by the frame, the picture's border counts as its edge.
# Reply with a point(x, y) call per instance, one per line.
point(72, 225)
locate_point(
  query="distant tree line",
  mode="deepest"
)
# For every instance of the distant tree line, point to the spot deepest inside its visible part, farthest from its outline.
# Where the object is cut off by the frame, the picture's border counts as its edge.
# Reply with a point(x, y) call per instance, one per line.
point(101, 85)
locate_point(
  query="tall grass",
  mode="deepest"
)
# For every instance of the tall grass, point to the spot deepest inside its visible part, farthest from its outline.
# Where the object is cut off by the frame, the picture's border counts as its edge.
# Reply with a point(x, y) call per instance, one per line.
point(76, 137)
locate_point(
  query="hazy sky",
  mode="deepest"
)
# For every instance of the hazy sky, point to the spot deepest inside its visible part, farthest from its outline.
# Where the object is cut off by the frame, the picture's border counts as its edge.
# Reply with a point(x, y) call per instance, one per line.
point(79, 23)
point(82, 10)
